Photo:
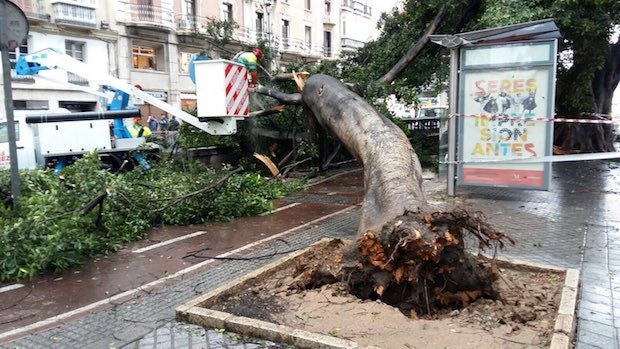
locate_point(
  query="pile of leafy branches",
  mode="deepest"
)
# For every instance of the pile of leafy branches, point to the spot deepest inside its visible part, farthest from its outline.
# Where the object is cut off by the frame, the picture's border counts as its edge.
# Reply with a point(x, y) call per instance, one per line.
point(65, 218)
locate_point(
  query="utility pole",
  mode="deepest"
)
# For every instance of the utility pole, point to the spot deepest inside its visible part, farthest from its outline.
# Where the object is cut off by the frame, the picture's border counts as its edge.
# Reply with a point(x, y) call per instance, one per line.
point(13, 31)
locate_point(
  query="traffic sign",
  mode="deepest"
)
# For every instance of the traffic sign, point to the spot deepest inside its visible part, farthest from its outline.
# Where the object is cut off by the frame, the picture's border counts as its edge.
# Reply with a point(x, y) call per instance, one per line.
point(15, 25)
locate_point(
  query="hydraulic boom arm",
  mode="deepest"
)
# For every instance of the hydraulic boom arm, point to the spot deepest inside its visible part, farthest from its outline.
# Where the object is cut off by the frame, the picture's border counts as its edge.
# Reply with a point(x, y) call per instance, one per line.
point(50, 58)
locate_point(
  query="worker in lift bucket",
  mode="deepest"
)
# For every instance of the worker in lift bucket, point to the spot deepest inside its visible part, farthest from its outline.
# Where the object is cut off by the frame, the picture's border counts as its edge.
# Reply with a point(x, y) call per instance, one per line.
point(250, 60)
point(137, 129)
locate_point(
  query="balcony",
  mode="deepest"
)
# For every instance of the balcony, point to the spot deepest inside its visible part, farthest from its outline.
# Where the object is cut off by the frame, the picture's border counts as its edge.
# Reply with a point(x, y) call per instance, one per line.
point(357, 7)
point(327, 51)
point(74, 15)
point(33, 9)
point(149, 14)
point(186, 23)
point(328, 19)
point(348, 43)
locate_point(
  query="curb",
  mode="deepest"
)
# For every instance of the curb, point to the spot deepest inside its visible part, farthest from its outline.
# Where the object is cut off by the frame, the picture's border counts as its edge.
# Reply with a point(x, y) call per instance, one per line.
point(193, 311)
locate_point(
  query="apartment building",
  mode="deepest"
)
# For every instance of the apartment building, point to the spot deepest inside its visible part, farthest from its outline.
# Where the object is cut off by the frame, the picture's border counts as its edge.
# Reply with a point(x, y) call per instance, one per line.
point(150, 42)
point(80, 29)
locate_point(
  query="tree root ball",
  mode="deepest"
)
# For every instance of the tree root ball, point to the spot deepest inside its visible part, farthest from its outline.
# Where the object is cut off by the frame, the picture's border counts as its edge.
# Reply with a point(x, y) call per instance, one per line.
point(418, 263)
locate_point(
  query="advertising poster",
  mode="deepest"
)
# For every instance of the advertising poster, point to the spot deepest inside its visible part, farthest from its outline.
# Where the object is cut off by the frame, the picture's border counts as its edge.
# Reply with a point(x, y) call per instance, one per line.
point(500, 108)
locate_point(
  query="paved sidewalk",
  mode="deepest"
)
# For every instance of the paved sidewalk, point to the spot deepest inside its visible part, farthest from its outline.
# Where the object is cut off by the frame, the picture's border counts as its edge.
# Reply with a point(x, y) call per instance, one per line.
point(575, 224)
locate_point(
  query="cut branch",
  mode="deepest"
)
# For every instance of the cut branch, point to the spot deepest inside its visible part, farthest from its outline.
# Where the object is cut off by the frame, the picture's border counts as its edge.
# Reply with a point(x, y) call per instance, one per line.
point(285, 98)
point(200, 191)
point(286, 135)
point(415, 49)
point(274, 110)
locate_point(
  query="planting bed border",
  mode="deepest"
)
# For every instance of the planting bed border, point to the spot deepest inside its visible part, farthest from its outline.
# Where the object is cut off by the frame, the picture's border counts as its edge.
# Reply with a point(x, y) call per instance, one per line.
point(195, 312)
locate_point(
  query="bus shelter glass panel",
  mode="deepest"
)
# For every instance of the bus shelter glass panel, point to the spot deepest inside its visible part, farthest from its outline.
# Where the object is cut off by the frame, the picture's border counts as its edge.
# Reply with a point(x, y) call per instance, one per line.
point(505, 107)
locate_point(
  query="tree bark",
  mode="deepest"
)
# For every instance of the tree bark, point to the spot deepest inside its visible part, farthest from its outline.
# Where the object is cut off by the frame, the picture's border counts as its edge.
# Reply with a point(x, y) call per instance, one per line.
point(392, 171)
point(594, 138)
point(404, 254)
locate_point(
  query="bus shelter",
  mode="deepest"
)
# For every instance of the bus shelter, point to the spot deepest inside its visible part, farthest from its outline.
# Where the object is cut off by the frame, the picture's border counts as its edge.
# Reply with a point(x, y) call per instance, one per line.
point(502, 93)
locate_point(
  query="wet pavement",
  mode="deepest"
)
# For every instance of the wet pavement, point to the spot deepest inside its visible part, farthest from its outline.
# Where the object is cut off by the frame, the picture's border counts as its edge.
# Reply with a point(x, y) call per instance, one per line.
point(128, 299)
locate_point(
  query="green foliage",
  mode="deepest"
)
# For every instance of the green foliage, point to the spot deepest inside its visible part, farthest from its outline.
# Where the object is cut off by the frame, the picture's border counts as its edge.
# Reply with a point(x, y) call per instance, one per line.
point(192, 137)
point(220, 31)
point(52, 230)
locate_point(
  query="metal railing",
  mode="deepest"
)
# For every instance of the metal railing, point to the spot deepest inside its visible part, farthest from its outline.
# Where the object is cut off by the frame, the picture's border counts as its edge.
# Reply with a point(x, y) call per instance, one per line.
point(250, 36)
point(357, 6)
point(427, 126)
point(151, 14)
point(74, 14)
point(351, 43)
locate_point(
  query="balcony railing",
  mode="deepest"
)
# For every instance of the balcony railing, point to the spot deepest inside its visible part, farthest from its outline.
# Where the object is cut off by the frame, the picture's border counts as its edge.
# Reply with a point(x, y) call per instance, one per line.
point(351, 43)
point(357, 7)
point(250, 36)
point(151, 14)
point(75, 15)
point(328, 19)
point(185, 23)
point(33, 9)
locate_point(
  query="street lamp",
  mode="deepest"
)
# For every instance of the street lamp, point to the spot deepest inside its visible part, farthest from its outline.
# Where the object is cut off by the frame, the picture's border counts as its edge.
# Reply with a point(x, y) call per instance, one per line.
point(268, 8)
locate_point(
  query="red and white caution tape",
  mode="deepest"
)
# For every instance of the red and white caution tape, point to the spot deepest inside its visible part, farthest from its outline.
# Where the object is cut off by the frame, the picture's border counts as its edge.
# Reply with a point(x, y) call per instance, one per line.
point(519, 118)
point(550, 158)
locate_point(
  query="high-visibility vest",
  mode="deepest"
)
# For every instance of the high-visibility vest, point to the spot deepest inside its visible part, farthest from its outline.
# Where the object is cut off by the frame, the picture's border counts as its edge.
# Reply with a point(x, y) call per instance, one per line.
point(139, 131)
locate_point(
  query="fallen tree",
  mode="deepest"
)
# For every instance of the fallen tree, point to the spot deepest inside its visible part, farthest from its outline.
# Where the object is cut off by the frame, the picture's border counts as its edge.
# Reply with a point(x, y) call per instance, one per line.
point(405, 254)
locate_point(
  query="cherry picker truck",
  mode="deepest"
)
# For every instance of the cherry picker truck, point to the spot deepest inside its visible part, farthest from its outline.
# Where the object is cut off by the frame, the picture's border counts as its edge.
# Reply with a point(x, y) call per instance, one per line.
point(221, 95)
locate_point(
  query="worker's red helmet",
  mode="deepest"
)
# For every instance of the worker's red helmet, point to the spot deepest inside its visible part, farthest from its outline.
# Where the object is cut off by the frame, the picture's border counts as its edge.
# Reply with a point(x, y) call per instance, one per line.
point(257, 52)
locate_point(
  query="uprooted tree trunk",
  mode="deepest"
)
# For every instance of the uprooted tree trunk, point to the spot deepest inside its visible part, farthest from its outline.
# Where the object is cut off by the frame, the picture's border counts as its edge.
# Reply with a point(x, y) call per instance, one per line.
point(405, 254)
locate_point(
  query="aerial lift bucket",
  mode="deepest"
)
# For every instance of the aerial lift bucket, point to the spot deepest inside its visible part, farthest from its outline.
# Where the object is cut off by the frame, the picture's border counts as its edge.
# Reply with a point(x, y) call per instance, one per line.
point(221, 89)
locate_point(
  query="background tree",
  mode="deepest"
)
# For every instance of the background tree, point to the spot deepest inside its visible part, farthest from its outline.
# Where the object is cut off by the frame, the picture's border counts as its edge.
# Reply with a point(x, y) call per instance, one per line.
point(588, 66)
point(588, 69)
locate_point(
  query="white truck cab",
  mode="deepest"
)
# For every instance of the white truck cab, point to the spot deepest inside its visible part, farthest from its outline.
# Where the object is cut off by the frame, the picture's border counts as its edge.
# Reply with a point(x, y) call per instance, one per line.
point(38, 144)
point(24, 141)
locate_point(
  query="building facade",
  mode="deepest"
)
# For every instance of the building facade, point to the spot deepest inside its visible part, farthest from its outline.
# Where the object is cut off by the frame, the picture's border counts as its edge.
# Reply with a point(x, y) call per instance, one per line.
point(150, 42)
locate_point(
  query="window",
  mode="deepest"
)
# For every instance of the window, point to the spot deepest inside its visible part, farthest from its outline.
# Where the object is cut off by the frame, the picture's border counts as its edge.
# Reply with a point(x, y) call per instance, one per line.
point(144, 58)
point(75, 49)
point(327, 44)
point(77, 106)
point(228, 12)
point(308, 2)
point(308, 38)
point(146, 12)
point(4, 132)
point(184, 58)
point(13, 54)
point(31, 104)
point(344, 28)
point(328, 8)
point(259, 25)
point(286, 29)
point(188, 8)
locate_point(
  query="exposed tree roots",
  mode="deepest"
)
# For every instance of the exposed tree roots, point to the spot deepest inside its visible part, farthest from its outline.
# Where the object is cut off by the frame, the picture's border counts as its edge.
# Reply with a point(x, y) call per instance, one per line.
point(418, 263)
